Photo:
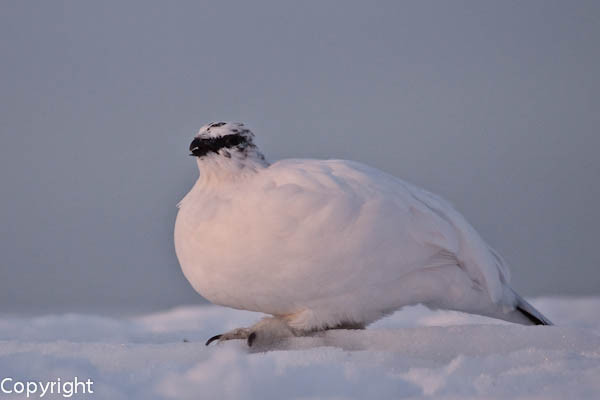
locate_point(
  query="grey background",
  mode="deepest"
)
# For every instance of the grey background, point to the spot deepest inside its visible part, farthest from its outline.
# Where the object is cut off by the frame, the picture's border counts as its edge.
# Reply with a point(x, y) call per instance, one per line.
point(494, 105)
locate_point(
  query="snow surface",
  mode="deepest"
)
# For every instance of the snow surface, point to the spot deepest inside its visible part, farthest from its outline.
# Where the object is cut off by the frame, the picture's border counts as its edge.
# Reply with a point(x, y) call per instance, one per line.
point(415, 353)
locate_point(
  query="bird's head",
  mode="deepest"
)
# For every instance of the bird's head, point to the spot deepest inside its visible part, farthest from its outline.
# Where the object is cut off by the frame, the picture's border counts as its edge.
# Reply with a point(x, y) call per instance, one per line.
point(226, 144)
point(221, 138)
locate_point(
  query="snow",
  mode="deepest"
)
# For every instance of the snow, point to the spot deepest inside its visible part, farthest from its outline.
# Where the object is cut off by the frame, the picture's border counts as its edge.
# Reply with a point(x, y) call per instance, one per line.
point(415, 353)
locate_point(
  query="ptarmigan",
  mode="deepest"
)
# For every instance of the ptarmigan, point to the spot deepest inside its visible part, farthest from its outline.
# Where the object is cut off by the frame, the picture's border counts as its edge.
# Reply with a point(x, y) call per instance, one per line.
point(326, 244)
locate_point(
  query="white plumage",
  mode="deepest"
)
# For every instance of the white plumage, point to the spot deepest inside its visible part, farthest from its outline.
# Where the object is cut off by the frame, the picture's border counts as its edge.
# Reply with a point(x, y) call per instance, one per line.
point(323, 244)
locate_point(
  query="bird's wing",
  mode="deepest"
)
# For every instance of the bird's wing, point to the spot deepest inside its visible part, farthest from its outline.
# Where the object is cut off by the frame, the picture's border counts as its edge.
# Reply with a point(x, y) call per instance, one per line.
point(338, 195)
point(483, 264)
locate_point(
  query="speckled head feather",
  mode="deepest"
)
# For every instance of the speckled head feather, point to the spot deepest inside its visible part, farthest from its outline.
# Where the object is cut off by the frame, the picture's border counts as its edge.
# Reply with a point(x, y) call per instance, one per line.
point(225, 139)
point(226, 151)
point(220, 129)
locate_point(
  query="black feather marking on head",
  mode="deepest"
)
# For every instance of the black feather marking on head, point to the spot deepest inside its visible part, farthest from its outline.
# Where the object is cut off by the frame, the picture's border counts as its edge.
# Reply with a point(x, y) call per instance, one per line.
point(202, 146)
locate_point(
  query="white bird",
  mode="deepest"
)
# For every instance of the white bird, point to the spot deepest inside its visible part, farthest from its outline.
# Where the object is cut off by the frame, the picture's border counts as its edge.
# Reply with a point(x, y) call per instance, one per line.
point(326, 244)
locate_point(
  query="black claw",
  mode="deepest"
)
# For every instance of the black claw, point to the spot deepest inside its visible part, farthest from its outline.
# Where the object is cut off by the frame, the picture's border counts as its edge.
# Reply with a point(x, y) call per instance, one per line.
point(212, 339)
point(251, 339)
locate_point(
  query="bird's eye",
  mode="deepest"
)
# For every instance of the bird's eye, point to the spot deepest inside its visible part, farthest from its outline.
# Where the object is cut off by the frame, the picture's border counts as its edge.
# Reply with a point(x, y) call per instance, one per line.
point(233, 140)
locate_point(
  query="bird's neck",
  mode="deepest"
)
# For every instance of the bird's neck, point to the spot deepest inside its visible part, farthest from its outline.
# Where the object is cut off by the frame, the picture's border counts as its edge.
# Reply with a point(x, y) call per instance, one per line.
point(217, 169)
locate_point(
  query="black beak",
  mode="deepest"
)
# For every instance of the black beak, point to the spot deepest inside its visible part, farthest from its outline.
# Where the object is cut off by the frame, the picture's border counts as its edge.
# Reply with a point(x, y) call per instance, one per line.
point(196, 148)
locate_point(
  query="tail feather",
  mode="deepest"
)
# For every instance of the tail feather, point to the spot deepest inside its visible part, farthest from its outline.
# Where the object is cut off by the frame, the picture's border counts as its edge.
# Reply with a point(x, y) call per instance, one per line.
point(530, 312)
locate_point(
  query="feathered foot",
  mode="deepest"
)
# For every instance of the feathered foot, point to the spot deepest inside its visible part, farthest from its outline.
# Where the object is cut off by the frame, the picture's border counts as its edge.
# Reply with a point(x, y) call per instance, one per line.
point(266, 332)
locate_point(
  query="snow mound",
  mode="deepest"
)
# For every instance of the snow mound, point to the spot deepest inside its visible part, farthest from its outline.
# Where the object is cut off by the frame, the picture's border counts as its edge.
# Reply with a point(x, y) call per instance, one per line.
point(415, 353)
